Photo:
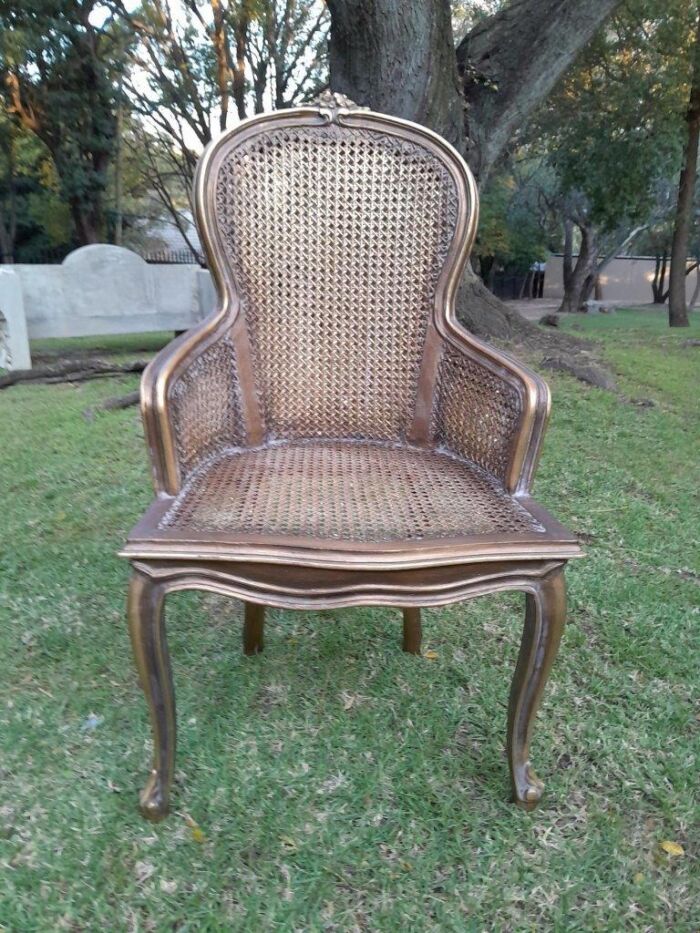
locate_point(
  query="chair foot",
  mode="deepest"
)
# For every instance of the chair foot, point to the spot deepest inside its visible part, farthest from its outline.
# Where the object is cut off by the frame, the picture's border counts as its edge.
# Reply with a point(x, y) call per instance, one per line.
point(154, 800)
point(527, 787)
point(412, 631)
point(545, 612)
point(253, 628)
point(148, 640)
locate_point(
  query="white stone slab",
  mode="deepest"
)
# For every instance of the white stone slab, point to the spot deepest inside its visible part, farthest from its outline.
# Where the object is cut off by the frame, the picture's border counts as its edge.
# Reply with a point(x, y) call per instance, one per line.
point(14, 343)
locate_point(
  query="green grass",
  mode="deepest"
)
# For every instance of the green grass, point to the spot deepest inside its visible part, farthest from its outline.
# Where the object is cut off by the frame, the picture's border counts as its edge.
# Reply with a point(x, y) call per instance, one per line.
point(109, 346)
point(338, 783)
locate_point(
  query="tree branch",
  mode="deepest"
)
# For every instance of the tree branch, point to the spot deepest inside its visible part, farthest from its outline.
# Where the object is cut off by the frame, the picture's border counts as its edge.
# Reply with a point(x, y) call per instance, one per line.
point(511, 61)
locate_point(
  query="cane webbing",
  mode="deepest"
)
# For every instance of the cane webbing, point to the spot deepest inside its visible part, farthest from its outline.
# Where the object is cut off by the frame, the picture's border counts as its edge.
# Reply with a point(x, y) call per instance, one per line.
point(336, 237)
point(476, 412)
point(204, 405)
point(352, 491)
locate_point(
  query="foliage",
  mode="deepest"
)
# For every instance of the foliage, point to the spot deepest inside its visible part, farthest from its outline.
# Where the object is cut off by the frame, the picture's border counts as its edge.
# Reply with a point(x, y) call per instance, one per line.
point(612, 128)
point(58, 76)
point(600, 151)
point(33, 217)
point(610, 135)
point(515, 227)
point(466, 13)
point(334, 781)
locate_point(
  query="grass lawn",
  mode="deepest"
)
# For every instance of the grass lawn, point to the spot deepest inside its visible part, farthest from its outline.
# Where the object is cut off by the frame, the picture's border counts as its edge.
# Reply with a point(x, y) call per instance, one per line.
point(335, 783)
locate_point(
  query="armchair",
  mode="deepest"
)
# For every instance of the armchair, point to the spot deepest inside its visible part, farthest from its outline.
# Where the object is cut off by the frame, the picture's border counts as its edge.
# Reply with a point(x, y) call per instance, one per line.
point(331, 436)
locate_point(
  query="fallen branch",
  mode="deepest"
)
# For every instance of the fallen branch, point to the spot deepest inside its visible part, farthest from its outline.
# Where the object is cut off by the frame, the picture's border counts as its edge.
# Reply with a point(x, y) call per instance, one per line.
point(120, 401)
point(71, 371)
point(113, 403)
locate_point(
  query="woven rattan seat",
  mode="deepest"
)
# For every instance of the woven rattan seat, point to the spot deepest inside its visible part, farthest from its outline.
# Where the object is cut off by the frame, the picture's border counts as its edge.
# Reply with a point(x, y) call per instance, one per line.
point(346, 492)
point(331, 436)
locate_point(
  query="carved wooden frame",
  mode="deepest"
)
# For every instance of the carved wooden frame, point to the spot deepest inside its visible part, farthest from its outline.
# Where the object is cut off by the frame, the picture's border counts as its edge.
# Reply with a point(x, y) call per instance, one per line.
point(268, 571)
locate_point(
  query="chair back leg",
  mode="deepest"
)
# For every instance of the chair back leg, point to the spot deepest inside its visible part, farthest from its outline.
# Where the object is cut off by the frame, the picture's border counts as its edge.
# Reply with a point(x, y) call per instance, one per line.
point(253, 628)
point(412, 631)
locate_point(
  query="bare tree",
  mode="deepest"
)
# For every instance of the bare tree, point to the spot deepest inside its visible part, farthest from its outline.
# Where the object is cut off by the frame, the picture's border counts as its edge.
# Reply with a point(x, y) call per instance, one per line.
point(197, 69)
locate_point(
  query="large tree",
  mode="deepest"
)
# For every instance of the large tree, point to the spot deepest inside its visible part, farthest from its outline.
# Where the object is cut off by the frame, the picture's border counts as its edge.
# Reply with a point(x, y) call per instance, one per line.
point(8, 190)
point(34, 221)
point(401, 58)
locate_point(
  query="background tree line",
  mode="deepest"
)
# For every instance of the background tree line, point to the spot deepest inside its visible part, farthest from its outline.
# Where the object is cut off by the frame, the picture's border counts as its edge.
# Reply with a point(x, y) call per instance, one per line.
point(580, 121)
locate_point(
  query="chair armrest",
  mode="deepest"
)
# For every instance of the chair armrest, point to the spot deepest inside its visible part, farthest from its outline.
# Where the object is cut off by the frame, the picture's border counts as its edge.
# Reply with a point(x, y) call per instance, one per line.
point(490, 409)
point(191, 404)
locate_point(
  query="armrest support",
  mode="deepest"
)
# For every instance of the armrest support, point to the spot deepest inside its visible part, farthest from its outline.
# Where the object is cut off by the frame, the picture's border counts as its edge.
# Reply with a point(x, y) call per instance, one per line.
point(490, 409)
point(191, 405)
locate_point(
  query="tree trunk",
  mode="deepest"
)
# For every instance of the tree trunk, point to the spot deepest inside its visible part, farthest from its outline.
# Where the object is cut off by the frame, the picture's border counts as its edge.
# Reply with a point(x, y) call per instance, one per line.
point(8, 217)
point(583, 275)
point(7, 246)
point(589, 288)
point(510, 61)
point(658, 283)
point(677, 307)
point(696, 290)
point(241, 26)
point(399, 58)
point(568, 258)
point(118, 173)
point(86, 224)
point(593, 283)
point(487, 271)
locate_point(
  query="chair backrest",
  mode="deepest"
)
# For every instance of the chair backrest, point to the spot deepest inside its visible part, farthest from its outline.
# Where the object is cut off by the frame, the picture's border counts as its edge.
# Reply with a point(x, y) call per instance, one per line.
point(338, 234)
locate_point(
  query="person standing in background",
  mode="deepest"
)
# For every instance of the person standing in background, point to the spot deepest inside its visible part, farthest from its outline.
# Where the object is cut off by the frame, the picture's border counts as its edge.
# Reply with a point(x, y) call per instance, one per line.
point(538, 270)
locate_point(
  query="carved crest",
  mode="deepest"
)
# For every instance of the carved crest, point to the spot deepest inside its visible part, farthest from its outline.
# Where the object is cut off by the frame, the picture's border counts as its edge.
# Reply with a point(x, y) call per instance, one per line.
point(331, 103)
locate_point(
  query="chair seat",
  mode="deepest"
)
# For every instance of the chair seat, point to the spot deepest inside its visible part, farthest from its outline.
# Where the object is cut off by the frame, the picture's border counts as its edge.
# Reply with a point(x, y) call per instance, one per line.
point(345, 495)
point(346, 491)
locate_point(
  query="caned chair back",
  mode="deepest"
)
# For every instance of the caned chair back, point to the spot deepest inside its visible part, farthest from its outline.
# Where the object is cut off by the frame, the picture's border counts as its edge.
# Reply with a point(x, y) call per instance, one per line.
point(338, 235)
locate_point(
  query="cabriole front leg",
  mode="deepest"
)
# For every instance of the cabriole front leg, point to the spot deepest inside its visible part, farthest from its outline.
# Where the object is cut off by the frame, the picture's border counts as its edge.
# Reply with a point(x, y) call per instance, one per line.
point(148, 640)
point(545, 612)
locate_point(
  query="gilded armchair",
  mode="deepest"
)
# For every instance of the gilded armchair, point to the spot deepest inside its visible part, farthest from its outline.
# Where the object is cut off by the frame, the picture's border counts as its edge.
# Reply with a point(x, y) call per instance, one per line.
point(331, 436)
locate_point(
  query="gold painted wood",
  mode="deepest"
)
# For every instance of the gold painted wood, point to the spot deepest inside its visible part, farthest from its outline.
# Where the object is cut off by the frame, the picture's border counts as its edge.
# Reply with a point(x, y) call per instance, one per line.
point(331, 436)
point(545, 614)
point(253, 628)
point(149, 644)
point(412, 631)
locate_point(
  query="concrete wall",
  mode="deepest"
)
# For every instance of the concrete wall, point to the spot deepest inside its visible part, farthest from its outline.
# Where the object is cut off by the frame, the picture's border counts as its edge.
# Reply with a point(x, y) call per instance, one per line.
point(627, 281)
point(97, 290)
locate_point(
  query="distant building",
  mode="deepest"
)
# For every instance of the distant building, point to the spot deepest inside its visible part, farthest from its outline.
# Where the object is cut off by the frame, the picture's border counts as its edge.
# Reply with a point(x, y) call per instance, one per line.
point(625, 279)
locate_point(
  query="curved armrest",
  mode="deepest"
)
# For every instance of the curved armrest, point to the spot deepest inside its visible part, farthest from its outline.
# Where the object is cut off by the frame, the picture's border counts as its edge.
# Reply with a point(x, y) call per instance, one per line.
point(490, 409)
point(191, 404)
